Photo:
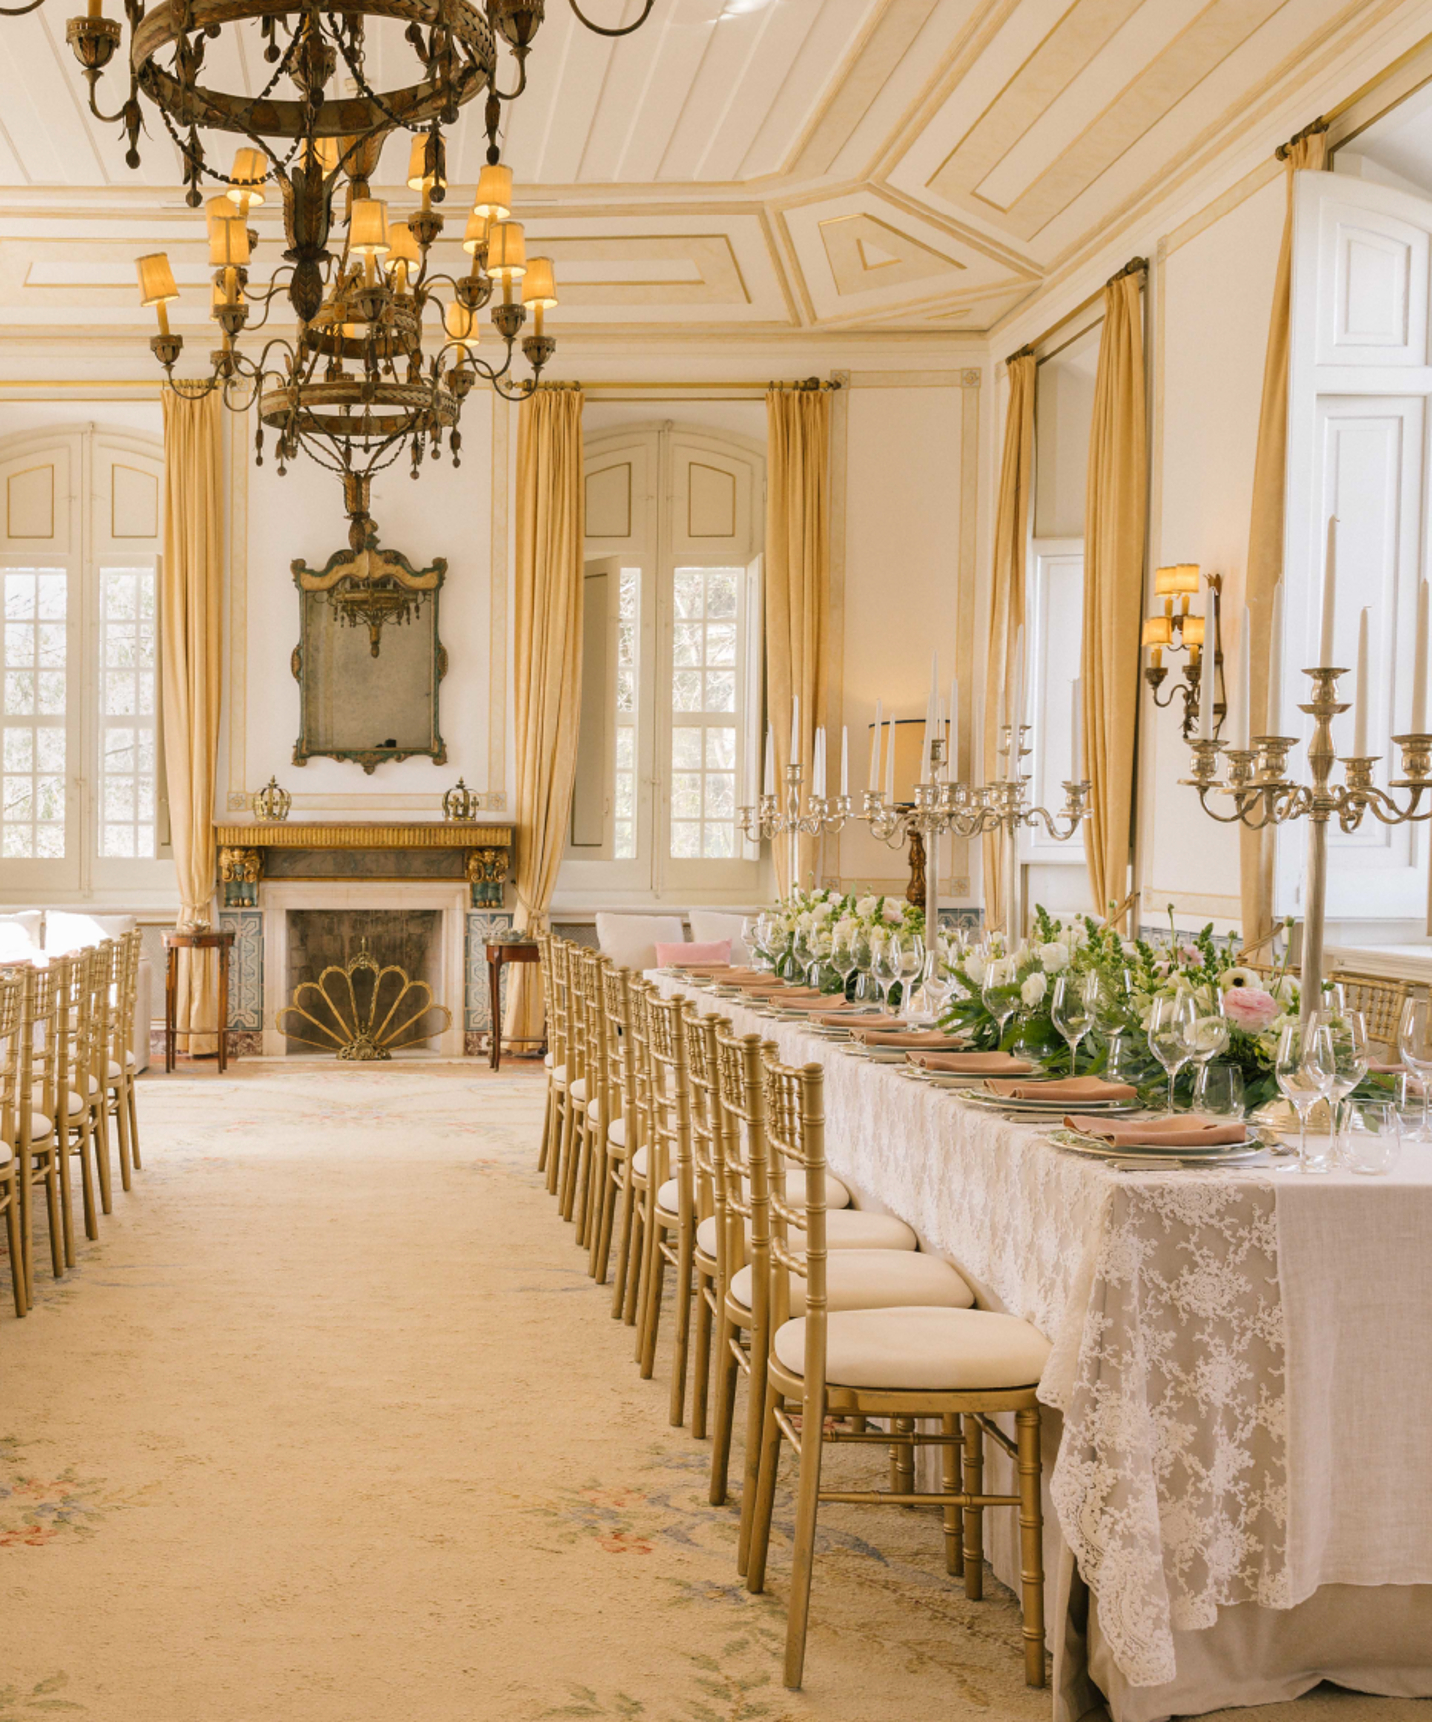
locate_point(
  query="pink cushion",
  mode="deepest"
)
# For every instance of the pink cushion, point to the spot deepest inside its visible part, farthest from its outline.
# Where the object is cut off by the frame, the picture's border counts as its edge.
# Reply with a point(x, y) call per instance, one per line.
point(683, 956)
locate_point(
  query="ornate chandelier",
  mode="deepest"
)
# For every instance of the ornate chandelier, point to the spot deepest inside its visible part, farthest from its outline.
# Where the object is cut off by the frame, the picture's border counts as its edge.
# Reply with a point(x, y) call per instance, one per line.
point(355, 386)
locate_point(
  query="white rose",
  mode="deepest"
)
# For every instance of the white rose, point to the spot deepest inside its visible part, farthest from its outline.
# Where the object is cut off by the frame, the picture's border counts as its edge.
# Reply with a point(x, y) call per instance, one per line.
point(1054, 956)
point(846, 927)
point(823, 911)
point(1033, 990)
point(866, 907)
point(893, 912)
point(975, 968)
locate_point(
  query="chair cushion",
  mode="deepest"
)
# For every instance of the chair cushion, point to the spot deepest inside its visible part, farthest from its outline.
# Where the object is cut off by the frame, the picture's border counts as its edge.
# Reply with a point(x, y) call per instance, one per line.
point(579, 1089)
point(845, 1229)
point(921, 1349)
point(876, 1279)
point(77, 1105)
point(616, 1132)
point(547, 1059)
point(631, 940)
point(668, 1196)
point(594, 1109)
point(706, 1236)
point(836, 1194)
point(114, 1071)
point(40, 1126)
point(639, 1162)
point(7, 1153)
point(559, 1075)
point(707, 925)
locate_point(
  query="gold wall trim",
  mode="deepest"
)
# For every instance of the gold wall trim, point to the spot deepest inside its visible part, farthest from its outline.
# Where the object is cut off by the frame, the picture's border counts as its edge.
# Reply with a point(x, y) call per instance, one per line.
point(253, 835)
point(497, 575)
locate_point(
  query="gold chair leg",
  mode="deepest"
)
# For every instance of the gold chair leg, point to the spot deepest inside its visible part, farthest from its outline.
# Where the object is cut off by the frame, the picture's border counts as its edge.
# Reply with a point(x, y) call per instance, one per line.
point(52, 1206)
point(763, 1496)
point(99, 1136)
point(974, 1516)
point(621, 1271)
point(132, 1110)
point(1031, 1543)
point(606, 1213)
point(548, 1113)
point(681, 1348)
point(556, 1171)
point(25, 1196)
point(757, 1393)
point(950, 1456)
point(902, 1458)
point(803, 1550)
point(651, 1303)
point(17, 1252)
point(577, 1163)
point(121, 1119)
point(701, 1364)
point(62, 1172)
point(727, 1370)
point(82, 1154)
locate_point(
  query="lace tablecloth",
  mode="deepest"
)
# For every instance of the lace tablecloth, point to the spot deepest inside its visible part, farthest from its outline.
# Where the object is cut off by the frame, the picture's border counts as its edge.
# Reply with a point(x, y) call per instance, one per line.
point(1161, 1294)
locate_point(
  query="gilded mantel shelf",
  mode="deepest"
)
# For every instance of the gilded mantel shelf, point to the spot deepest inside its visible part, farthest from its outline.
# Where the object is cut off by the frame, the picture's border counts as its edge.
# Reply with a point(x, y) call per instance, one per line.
point(250, 834)
point(251, 850)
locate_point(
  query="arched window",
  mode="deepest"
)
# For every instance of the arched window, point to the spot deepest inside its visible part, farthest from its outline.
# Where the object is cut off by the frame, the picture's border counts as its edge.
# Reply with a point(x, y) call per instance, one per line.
point(81, 523)
point(671, 690)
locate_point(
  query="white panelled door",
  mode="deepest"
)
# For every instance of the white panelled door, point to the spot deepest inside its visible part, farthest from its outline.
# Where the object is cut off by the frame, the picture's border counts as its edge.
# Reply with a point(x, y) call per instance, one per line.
point(1359, 386)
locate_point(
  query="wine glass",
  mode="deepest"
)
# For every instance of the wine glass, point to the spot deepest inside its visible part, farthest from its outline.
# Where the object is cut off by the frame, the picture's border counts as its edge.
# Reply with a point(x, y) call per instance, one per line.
point(863, 950)
point(806, 953)
point(1412, 1107)
point(1305, 1069)
point(1373, 1142)
point(885, 966)
point(1414, 1043)
point(1206, 1028)
point(910, 949)
point(1001, 999)
point(1169, 1033)
point(1074, 1011)
point(1218, 1090)
point(1349, 1043)
point(1125, 1058)
point(842, 955)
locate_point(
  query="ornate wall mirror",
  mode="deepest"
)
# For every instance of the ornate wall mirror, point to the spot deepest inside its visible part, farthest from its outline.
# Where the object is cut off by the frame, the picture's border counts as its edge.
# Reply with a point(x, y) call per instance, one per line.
point(369, 660)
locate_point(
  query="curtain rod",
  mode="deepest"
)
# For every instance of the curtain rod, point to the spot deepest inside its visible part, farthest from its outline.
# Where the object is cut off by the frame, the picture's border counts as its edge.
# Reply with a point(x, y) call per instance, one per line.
point(1135, 266)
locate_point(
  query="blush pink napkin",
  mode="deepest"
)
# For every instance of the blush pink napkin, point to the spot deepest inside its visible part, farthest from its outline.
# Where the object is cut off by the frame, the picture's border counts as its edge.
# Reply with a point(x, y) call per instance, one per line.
point(832, 1020)
point(1187, 1132)
point(928, 1038)
point(1374, 1068)
point(1064, 1088)
point(973, 1063)
point(693, 956)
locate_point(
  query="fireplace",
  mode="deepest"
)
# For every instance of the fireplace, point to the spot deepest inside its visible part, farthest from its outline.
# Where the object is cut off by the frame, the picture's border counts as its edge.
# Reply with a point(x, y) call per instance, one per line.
point(321, 939)
point(310, 924)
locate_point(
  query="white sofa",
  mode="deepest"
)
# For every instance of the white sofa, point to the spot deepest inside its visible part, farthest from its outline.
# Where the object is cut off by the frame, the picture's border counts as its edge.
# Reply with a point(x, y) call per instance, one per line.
point(49, 932)
point(631, 940)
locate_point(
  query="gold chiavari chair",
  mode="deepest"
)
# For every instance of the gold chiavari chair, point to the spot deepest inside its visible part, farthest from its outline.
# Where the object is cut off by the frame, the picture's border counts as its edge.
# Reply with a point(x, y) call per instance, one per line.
point(671, 1213)
point(618, 1139)
point(598, 1109)
point(72, 1113)
point(586, 1003)
point(95, 1067)
point(121, 1064)
point(575, 1130)
point(10, 988)
point(742, 1152)
point(49, 1089)
point(559, 1035)
point(549, 1058)
point(901, 1363)
point(708, 1256)
point(1380, 1000)
point(34, 1140)
point(627, 1280)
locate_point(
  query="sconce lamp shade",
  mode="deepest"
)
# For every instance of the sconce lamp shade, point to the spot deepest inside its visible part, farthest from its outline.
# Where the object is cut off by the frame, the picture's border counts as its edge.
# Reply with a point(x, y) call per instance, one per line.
point(1192, 630)
point(507, 251)
point(494, 192)
point(402, 247)
point(1174, 582)
point(219, 297)
point(419, 179)
point(228, 235)
point(368, 234)
point(156, 279)
point(248, 176)
point(476, 232)
point(538, 284)
point(1158, 631)
point(461, 324)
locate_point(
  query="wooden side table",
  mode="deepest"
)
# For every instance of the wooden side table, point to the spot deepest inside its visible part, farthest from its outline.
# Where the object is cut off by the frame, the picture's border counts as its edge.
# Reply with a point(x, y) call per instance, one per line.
point(222, 942)
point(498, 953)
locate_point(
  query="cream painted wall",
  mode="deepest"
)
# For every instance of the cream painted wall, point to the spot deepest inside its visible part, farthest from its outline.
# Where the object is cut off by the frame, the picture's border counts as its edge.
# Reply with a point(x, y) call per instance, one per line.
point(902, 597)
point(445, 513)
point(1210, 333)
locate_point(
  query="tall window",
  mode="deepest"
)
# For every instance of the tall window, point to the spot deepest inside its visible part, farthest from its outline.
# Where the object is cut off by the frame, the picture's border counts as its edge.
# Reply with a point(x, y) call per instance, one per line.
point(81, 811)
point(671, 701)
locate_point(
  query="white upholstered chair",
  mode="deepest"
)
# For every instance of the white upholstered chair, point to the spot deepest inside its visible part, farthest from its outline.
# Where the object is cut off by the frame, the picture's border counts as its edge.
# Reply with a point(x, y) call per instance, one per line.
point(709, 927)
point(631, 940)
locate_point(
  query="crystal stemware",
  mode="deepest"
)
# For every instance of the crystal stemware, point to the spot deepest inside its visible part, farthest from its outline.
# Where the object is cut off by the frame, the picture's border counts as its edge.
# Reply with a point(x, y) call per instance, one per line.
point(1206, 1027)
point(1000, 995)
point(1414, 1043)
point(910, 948)
point(1074, 1011)
point(863, 949)
point(1169, 1032)
point(1349, 1043)
point(1218, 1090)
point(1372, 1143)
point(842, 955)
point(884, 966)
point(1305, 1068)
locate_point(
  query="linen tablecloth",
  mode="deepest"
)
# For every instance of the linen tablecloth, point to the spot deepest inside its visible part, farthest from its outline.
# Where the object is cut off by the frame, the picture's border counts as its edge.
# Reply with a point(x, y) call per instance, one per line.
point(1217, 1337)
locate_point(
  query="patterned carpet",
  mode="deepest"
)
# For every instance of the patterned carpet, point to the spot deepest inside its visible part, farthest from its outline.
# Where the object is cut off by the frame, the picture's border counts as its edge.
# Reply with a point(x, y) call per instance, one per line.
point(332, 1427)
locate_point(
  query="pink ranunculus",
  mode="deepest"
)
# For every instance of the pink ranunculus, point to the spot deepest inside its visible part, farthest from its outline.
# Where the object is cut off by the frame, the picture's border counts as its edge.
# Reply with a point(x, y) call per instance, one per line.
point(1250, 1008)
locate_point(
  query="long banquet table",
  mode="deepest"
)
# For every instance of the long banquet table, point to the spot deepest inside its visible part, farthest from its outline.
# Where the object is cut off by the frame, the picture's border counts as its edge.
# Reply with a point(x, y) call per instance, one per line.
point(1239, 1425)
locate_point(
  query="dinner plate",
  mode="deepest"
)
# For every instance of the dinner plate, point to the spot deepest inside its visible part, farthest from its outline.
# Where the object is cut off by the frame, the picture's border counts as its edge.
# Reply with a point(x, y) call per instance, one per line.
point(1105, 1108)
point(1233, 1153)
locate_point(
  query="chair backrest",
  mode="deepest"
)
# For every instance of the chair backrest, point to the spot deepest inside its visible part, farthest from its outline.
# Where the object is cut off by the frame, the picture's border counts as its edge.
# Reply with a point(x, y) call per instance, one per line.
point(559, 1017)
point(700, 1032)
point(709, 927)
point(670, 1094)
point(37, 1050)
point(795, 1132)
point(1380, 999)
point(101, 1006)
point(12, 987)
point(71, 974)
point(631, 940)
point(639, 996)
point(620, 1078)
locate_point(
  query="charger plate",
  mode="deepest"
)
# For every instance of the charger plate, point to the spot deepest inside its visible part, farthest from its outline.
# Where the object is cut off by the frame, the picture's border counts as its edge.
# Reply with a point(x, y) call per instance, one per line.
point(1230, 1153)
point(1043, 1108)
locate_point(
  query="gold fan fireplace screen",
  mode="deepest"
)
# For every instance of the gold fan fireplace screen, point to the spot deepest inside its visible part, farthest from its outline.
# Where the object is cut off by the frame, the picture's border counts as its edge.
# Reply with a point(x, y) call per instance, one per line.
point(351, 997)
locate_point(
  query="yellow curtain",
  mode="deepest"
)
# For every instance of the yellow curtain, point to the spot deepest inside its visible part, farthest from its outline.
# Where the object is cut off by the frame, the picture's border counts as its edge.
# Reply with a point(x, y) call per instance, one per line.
point(1006, 609)
point(190, 635)
point(548, 663)
point(797, 583)
point(1115, 525)
point(1265, 534)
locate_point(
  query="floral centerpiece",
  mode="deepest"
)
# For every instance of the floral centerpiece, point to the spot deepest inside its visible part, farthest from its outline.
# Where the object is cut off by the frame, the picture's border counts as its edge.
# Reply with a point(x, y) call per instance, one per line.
point(816, 916)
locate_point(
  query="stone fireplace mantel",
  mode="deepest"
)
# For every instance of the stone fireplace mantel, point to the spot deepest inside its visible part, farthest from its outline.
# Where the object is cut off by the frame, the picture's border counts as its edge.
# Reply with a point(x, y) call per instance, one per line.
point(254, 850)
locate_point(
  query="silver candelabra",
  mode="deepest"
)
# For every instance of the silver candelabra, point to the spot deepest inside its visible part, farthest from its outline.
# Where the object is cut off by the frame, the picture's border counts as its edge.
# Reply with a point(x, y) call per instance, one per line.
point(1262, 794)
point(812, 816)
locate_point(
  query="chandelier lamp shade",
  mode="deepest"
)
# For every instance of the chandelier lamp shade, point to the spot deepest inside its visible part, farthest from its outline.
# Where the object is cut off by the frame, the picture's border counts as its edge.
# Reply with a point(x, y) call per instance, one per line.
point(367, 374)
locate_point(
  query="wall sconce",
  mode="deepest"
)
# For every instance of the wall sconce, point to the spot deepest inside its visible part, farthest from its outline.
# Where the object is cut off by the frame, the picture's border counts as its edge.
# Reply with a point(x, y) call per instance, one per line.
point(1176, 630)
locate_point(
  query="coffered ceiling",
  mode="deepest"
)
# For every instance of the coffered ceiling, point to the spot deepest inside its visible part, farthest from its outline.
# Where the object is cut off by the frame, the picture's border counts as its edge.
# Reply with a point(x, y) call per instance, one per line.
point(737, 165)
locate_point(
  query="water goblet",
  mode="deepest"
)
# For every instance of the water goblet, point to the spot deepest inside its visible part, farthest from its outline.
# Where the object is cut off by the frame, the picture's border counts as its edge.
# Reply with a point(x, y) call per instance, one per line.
point(910, 948)
point(1412, 1107)
point(1372, 1142)
point(1305, 1067)
point(1218, 1090)
point(1000, 995)
point(884, 965)
point(1169, 1033)
point(1349, 1043)
point(1074, 1011)
point(1126, 1057)
point(807, 954)
point(863, 950)
point(1414, 1044)
point(842, 955)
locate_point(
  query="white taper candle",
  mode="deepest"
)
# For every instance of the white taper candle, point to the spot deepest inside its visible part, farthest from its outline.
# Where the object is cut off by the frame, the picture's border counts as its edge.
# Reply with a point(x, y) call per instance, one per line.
point(1275, 665)
point(844, 760)
point(1076, 729)
point(769, 776)
point(890, 760)
point(1359, 710)
point(1208, 681)
point(1419, 667)
point(795, 729)
point(876, 738)
point(1245, 681)
point(1330, 595)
